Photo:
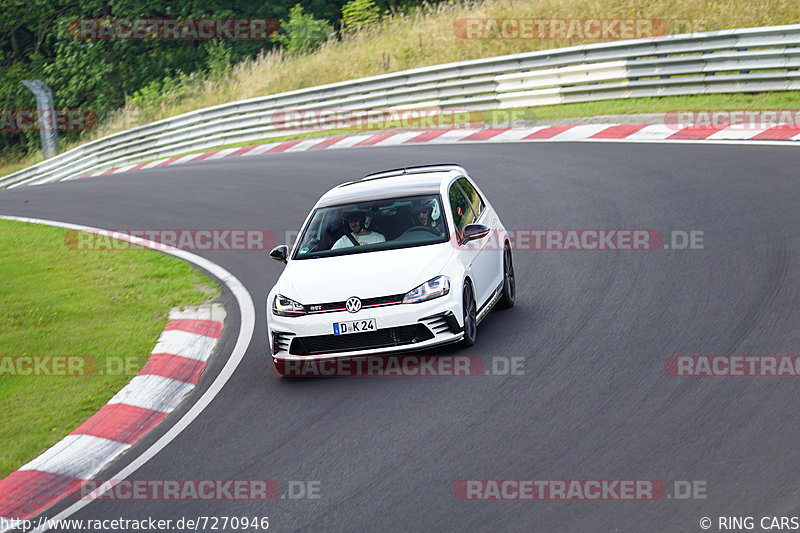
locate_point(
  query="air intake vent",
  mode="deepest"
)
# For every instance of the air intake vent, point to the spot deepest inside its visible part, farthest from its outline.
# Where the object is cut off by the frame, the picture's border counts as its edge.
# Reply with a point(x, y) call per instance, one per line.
point(280, 341)
point(442, 323)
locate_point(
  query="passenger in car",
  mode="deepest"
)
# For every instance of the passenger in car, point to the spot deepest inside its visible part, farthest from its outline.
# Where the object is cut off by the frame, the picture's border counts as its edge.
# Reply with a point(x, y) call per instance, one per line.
point(358, 234)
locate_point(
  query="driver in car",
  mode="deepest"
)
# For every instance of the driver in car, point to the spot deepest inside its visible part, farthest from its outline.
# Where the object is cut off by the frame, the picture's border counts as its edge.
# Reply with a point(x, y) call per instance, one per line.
point(423, 216)
point(358, 233)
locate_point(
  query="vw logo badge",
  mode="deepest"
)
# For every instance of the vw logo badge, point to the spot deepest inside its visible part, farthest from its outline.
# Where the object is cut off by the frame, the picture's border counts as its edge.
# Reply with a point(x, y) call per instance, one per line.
point(353, 304)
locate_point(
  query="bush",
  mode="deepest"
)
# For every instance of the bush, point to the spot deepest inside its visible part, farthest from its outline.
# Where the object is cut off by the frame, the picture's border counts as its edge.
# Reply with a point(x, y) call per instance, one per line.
point(359, 14)
point(302, 33)
point(218, 62)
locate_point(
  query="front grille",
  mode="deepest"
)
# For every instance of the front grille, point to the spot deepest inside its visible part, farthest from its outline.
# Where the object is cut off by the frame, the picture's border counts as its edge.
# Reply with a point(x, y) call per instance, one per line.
point(365, 302)
point(381, 338)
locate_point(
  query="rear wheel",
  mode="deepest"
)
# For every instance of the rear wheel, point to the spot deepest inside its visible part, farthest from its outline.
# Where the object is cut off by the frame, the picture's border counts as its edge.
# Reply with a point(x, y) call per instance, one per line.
point(470, 311)
point(509, 285)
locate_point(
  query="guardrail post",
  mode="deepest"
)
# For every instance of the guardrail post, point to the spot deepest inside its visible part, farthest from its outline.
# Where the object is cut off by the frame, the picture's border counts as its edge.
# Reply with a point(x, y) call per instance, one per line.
point(47, 123)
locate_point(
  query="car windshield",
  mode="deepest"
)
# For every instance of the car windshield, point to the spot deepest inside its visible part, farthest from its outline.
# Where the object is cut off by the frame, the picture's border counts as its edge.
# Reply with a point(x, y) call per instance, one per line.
point(371, 226)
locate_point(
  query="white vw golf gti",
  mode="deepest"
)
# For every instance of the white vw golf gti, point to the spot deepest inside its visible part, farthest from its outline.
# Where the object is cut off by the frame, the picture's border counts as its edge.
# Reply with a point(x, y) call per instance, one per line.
point(403, 259)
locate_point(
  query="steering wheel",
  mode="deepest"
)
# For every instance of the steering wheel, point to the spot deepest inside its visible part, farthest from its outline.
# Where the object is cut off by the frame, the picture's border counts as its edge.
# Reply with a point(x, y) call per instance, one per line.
point(430, 229)
point(313, 245)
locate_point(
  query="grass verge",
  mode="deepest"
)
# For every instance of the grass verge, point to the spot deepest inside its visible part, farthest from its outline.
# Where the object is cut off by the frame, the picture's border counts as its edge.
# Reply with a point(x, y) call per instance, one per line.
point(107, 305)
point(666, 104)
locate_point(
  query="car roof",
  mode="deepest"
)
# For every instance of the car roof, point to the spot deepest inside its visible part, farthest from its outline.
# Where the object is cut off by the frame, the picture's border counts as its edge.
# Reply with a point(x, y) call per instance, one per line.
point(409, 181)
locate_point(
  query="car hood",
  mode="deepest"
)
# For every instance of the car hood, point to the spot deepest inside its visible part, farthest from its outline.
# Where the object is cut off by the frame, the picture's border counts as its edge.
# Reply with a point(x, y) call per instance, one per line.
point(366, 275)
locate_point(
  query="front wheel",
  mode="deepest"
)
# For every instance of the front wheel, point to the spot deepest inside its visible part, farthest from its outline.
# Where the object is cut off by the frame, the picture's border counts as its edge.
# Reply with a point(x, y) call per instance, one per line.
point(470, 311)
point(509, 285)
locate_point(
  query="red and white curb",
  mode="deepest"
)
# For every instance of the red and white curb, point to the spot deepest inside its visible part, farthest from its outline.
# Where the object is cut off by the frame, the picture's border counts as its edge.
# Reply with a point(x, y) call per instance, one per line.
point(171, 372)
point(583, 132)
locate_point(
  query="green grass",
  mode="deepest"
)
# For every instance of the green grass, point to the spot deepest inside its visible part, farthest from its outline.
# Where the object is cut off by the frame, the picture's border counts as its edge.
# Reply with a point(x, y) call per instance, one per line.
point(108, 305)
point(664, 104)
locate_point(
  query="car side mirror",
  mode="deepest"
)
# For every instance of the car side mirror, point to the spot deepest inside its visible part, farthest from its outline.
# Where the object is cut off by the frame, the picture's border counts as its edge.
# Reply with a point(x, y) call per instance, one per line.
point(474, 232)
point(279, 253)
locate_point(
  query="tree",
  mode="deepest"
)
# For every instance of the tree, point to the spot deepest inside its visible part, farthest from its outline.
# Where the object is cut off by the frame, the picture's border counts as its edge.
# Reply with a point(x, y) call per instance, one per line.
point(38, 40)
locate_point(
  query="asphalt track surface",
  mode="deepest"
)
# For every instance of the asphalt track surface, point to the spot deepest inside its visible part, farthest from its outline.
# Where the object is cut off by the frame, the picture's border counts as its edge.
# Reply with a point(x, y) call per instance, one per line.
point(594, 328)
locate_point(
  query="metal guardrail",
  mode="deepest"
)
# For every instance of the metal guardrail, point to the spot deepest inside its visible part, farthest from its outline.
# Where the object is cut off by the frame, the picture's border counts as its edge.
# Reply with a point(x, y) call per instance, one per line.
point(741, 60)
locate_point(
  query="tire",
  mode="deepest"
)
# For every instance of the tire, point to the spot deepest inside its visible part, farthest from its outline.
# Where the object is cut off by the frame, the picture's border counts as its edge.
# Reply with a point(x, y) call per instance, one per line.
point(509, 283)
point(470, 316)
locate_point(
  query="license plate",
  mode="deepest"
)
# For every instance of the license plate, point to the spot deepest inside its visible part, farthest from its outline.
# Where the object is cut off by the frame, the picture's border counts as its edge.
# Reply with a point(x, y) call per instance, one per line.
point(354, 326)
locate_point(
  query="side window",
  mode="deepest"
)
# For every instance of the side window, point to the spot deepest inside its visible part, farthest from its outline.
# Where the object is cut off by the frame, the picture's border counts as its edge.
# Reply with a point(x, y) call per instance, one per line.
point(473, 197)
point(460, 206)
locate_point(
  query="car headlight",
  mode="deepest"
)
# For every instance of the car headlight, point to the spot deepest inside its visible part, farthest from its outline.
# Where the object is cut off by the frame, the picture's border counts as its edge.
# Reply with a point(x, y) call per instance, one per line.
point(283, 306)
point(434, 288)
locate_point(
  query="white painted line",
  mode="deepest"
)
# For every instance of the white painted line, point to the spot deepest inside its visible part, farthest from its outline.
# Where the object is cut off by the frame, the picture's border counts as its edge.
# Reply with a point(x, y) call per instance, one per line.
point(718, 142)
point(222, 153)
point(735, 133)
point(184, 159)
point(583, 131)
point(185, 344)
point(191, 157)
point(156, 393)
point(79, 456)
point(121, 169)
point(151, 164)
point(653, 132)
point(302, 146)
point(347, 142)
point(398, 138)
point(260, 149)
point(452, 136)
point(248, 318)
point(514, 134)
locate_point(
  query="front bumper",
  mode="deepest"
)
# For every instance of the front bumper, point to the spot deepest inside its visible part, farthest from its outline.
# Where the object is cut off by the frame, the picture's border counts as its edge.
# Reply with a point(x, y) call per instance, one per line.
point(400, 327)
